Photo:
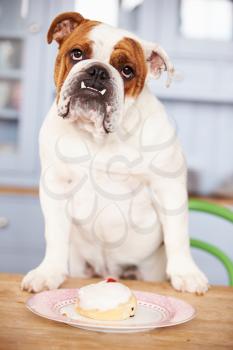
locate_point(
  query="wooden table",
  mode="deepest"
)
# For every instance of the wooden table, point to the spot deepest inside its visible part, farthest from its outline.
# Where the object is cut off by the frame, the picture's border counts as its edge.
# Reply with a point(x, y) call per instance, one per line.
point(21, 329)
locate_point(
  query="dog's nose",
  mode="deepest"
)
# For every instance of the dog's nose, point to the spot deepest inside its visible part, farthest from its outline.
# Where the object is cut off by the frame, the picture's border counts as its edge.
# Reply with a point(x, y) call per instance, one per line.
point(98, 72)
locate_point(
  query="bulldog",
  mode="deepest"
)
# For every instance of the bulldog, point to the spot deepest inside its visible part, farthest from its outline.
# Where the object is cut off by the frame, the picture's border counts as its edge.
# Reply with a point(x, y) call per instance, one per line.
point(113, 176)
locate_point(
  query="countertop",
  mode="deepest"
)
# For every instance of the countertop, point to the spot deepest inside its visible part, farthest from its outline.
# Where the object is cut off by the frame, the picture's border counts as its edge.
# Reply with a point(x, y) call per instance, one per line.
point(212, 328)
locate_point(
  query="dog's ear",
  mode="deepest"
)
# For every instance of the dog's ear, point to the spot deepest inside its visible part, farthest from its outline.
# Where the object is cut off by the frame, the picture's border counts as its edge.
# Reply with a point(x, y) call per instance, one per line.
point(158, 61)
point(63, 25)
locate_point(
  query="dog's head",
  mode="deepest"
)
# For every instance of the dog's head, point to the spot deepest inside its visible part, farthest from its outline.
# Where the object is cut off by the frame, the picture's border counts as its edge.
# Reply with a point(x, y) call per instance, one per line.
point(100, 70)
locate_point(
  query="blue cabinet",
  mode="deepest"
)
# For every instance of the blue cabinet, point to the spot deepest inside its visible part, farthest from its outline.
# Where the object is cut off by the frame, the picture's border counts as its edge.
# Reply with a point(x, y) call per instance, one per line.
point(22, 233)
point(26, 87)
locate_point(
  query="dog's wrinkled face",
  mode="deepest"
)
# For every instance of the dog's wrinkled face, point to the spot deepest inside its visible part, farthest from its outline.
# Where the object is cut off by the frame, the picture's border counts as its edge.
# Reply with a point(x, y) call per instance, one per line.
point(100, 70)
point(92, 95)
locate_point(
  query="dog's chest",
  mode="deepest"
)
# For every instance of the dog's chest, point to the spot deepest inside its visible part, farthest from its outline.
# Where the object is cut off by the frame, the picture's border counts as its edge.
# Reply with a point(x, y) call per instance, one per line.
point(111, 200)
point(112, 197)
point(110, 190)
point(115, 213)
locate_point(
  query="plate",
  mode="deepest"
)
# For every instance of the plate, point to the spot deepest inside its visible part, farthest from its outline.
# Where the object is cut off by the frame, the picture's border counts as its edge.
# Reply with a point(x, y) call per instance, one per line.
point(154, 311)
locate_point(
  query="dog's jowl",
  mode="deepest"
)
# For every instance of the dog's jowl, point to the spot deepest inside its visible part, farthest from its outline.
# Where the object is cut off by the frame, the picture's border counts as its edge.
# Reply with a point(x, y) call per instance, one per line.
point(113, 180)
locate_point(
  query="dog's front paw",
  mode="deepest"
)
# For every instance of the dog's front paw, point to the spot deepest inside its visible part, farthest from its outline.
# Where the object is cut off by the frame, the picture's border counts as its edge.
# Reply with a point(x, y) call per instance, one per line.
point(187, 278)
point(42, 278)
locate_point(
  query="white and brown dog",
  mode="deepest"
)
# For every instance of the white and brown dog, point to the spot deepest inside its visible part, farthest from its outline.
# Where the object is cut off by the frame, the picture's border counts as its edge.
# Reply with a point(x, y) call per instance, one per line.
point(113, 184)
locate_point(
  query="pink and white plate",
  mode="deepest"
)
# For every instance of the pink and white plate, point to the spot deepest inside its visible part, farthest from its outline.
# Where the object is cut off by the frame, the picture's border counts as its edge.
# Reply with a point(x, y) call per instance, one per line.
point(153, 311)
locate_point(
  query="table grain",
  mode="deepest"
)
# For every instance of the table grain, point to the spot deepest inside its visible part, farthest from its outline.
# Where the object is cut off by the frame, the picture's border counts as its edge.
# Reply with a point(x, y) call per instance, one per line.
point(211, 329)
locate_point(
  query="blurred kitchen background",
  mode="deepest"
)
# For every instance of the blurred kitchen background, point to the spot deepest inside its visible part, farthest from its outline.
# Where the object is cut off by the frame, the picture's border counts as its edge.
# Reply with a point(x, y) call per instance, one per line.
point(197, 35)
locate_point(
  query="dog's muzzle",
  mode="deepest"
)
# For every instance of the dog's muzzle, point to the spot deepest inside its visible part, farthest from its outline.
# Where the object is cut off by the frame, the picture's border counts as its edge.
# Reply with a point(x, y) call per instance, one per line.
point(96, 82)
point(94, 92)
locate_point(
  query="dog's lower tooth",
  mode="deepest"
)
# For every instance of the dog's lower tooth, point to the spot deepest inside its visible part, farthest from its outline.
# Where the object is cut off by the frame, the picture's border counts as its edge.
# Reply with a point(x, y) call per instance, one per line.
point(103, 91)
point(83, 86)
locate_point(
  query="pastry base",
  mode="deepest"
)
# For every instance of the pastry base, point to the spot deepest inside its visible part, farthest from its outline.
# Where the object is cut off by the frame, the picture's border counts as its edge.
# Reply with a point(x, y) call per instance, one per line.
point(122, 312)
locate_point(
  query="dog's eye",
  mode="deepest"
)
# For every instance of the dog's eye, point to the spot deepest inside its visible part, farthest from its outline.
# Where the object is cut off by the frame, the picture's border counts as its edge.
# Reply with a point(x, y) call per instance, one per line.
point(127, 72)
point(76, 55)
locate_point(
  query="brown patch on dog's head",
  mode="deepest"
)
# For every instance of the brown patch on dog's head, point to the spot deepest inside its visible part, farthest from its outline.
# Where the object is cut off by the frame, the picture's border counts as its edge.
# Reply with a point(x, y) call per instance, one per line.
point(63, 25)
point(71, 31)
point(129, 53)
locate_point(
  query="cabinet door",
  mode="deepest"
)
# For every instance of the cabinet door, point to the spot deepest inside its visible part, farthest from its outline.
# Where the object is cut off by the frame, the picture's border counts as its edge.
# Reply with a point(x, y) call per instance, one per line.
point(21, 233)
point(22, 39)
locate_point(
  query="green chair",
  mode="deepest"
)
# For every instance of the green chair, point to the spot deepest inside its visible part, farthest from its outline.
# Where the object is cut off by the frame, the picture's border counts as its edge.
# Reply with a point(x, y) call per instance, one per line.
point(217, 210)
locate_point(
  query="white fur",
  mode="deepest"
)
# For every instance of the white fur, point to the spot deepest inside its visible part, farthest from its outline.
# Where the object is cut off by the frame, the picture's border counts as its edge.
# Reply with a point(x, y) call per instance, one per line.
point(105, 38)
point(115, 201)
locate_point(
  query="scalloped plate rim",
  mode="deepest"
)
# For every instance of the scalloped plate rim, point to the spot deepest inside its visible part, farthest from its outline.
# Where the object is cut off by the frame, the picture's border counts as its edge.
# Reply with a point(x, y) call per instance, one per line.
point(94, 327)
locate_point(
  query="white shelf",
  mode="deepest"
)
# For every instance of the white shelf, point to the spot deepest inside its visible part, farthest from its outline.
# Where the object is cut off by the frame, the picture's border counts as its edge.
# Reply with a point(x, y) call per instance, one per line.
point(9, 114)
point(10, 74)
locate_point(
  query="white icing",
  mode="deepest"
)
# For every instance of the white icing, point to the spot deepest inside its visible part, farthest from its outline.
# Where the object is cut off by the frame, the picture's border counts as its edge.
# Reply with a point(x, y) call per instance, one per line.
point(103, 295)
